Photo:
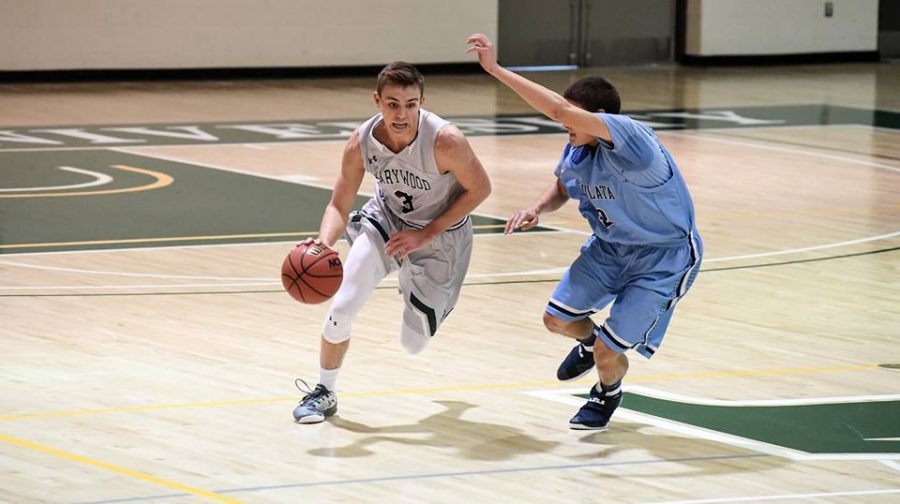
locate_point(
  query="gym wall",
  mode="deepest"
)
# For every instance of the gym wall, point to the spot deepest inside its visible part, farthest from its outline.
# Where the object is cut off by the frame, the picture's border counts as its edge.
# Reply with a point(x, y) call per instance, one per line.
point(776, 27)
point(199, 34)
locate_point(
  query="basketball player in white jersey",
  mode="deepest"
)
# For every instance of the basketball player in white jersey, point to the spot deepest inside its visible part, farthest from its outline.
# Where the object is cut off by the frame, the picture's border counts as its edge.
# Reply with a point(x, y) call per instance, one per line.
point(428, 180)
point(644, 252)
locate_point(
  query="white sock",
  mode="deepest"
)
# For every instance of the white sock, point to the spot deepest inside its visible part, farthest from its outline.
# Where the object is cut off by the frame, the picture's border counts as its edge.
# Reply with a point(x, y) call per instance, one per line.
point(328, 377)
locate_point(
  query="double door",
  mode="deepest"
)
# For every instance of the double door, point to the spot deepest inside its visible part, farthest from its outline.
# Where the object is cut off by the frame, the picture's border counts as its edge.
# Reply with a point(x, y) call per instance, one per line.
point(586, 32)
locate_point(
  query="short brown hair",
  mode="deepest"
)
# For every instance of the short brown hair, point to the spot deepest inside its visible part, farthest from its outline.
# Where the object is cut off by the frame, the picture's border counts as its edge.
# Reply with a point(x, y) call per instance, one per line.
point(593, 94)
point(400, 73)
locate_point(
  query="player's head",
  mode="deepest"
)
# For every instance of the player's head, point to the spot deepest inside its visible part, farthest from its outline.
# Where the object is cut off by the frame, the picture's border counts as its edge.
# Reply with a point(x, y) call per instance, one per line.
point(594, 94)
point(402, 74)
point(399, 93)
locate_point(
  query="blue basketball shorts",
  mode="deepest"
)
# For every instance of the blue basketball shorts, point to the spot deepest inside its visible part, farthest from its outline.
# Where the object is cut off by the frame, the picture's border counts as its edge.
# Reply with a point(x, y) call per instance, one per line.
point(643, 282)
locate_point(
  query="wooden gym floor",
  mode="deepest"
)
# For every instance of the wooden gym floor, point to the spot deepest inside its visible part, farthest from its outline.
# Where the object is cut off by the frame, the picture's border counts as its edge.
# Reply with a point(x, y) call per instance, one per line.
point(150, 352)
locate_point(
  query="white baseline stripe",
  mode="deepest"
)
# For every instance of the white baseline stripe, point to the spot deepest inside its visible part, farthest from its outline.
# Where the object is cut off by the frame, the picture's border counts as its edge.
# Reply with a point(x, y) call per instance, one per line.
point(623, 413)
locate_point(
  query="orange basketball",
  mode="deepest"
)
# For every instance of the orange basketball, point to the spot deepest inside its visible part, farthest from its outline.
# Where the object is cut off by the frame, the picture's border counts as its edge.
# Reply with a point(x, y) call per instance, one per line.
point(312, 274)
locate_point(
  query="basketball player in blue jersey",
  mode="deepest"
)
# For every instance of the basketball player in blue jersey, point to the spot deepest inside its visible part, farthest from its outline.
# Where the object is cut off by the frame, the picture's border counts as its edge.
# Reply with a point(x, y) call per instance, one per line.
point(428, 180)
point(644, 252)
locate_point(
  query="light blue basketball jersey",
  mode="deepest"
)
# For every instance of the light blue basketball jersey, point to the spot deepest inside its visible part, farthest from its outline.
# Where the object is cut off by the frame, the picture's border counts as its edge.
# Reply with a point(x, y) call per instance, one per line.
point(645, 250)
point(631, 193)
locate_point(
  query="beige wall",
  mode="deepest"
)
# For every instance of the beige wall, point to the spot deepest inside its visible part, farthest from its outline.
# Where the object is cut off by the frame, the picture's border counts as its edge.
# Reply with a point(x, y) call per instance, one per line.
point(759, 27)
point(148, 34)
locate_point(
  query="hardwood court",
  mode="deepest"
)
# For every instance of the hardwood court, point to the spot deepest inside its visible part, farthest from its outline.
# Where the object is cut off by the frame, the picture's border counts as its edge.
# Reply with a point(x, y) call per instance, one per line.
point(160, 369)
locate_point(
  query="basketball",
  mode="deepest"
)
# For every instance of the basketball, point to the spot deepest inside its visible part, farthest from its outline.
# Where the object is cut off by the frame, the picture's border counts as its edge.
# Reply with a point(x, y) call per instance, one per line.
point(312, 274)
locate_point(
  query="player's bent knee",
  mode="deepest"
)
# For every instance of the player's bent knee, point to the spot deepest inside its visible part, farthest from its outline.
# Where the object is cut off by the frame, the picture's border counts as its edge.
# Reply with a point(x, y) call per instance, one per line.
point(554, 324)
point(336, 328)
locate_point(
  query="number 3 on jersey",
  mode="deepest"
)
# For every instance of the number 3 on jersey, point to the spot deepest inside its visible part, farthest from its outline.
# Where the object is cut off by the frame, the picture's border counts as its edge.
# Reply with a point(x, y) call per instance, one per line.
point(407, 201)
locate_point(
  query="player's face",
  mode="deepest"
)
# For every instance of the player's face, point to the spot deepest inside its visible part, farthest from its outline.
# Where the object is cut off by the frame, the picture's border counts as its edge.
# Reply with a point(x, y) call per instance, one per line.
point(578, 138)
point(400, 108)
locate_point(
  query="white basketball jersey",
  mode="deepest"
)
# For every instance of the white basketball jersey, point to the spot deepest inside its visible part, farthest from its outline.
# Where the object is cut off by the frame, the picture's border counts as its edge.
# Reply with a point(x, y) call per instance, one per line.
point(409, 183)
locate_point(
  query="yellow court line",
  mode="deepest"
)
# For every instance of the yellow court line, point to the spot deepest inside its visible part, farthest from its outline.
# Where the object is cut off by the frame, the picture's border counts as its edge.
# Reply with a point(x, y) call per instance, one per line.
point(182, 238)
point(199, 492)
point(461, 388)
point(162, 180)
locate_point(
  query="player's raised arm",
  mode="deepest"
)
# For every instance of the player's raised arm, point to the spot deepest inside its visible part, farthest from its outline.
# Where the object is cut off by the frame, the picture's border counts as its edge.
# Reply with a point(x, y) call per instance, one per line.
point(334, 219)
point(542, 99)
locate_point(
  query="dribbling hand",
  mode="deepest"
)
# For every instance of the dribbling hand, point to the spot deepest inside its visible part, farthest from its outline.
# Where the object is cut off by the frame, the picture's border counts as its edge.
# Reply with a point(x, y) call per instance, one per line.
point(311, 241)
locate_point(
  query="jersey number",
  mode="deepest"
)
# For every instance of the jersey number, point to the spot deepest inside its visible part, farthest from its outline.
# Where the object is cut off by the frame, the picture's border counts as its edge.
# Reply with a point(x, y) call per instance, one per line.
point(407, 201)
point(604, 219)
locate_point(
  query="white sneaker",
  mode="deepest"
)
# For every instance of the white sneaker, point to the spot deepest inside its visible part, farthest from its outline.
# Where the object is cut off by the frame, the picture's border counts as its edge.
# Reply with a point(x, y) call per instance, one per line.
point(317, 405)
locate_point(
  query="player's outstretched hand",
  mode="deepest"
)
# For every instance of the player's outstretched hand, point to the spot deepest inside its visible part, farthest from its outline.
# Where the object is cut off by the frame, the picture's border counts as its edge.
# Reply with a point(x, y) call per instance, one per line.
point(480, 44)
point(523, 220)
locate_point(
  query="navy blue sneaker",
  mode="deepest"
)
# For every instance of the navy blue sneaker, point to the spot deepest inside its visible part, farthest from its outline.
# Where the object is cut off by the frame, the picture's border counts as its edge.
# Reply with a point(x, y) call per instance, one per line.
point(597, 411)
point(578, 363)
